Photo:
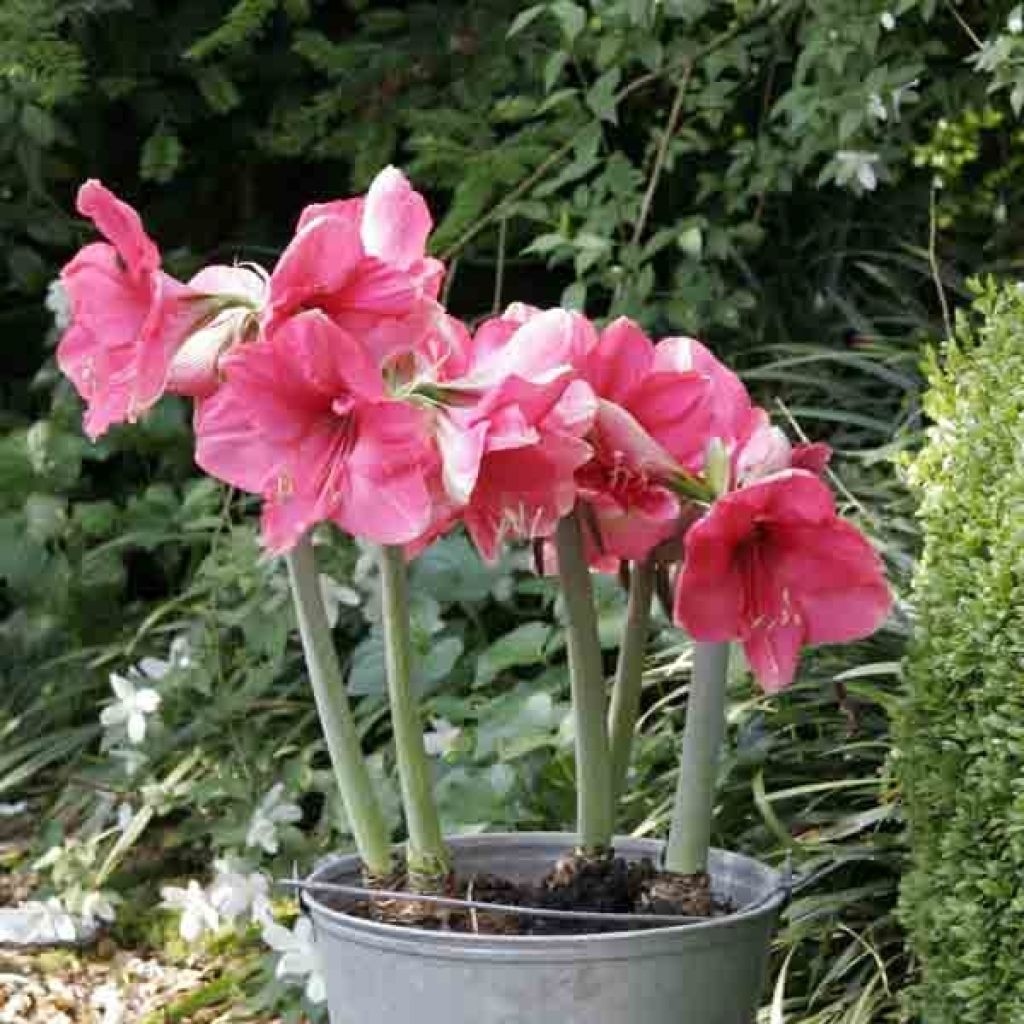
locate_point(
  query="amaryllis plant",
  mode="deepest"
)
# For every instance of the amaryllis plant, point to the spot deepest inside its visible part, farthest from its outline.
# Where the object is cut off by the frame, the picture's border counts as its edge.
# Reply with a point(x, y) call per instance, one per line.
point(337, 388)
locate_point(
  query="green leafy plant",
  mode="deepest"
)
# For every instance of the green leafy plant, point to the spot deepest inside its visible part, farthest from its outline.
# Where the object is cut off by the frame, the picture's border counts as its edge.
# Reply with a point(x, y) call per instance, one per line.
point(959, 741)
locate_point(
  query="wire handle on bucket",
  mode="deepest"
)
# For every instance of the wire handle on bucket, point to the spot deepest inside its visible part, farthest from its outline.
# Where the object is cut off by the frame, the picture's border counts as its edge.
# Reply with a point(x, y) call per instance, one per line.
point(790, 885)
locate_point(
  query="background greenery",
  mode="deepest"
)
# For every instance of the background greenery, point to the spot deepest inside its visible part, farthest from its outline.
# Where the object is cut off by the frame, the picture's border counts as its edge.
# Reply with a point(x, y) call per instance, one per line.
point(801, 183)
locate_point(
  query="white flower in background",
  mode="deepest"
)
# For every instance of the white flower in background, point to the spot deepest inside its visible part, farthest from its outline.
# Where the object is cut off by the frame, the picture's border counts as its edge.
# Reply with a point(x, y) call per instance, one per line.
point(153, 668)
point(442, 737)
point(906, 93)
point(48, 922)
point(58, 304)
point(108, 1001)
point(96, 907)
point(13, 810)
point(236, 891)
point(274, 810)
point(180, 652)
point(299, 957)
point(854, 165)
point(198, 914)
point(125, 816)
point(335, 595)
point(888, 20)
point(1015, 22)
point(876, 108)
point(130, 709)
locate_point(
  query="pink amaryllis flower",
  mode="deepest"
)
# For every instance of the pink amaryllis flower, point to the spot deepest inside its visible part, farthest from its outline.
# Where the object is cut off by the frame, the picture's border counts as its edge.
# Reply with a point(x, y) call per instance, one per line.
point(773, 566)
point(195, 370)
point(652, 425)
point(765, 450)
point(128, 318)
point(755, 447)
point(362, 262)
point(509, 416)
point(303, 419)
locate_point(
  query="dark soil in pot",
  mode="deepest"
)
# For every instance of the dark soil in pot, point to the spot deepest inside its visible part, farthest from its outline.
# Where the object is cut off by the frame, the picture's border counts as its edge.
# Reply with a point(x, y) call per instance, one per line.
point(610, 885)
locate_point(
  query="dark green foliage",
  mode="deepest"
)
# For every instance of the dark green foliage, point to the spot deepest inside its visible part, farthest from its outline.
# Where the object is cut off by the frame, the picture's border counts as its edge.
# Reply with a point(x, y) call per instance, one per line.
point(961, 736)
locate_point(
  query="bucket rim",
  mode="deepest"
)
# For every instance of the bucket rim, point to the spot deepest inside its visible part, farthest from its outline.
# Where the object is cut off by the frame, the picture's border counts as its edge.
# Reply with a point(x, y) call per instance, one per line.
point(766, 903)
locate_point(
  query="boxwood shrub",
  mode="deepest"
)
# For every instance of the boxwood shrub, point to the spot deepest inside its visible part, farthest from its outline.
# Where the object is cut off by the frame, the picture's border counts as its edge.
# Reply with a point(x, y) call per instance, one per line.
point(961, 737)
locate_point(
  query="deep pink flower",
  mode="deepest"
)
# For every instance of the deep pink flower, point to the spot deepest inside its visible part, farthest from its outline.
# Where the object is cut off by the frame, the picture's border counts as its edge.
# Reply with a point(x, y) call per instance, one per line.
point(652, 423)
point(303, 419)
point(773, 566)
point(128, 318)
point(361, 262)
point(510, 425)
point(730, 404)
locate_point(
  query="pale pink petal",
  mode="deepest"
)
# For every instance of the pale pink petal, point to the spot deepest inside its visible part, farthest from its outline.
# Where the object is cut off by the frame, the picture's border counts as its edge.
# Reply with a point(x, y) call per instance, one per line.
point(396, 220)
point(766, 450)
point(227, 445)
point(392, 511)
point(730, 401)
point(616, 431)
point(633, 533)
point(320, 260)
point(121, 226)
point(574, 412)
point(384, 290)
point(348, 210)
point(461, 451)
point(241, 281)
point(675, 409)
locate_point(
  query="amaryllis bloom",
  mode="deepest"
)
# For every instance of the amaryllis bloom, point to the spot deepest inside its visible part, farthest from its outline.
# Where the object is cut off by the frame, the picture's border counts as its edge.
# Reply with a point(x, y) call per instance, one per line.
point(195, 370)
point(302, 418)
point(362, 262)
point(766, 450)
point(128, 317)
point(773, 566)
point(755, 448)
point(510, 426)
point(651, 426)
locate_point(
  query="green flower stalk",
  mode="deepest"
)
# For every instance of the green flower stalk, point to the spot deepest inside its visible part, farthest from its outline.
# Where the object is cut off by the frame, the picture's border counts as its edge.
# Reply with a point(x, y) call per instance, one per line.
point(428, 858)
point(690, 835)
point(625, 706)
point(369, 826)
point(595, 807)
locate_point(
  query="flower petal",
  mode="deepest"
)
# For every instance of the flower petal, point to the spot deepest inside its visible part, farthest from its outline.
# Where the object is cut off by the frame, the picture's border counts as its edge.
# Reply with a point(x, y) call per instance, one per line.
point(396, 220)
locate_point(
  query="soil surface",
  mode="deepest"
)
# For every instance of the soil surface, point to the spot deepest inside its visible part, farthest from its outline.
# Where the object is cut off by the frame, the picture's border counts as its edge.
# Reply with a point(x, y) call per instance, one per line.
point(610, 885)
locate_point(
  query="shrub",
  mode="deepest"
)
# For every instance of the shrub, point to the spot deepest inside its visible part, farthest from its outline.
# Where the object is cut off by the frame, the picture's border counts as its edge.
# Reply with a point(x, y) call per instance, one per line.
point(961, 735)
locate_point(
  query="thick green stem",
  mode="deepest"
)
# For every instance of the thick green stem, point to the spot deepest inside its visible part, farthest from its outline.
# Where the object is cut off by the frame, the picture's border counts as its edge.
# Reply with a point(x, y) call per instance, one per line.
point(595, 817)
point(369, 826)
point(629, 672)
point(428, 857)
point(690, 836)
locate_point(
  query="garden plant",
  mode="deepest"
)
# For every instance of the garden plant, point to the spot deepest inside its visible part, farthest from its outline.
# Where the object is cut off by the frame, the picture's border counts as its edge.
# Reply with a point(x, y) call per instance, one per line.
point(338, 389)
point(804, 186)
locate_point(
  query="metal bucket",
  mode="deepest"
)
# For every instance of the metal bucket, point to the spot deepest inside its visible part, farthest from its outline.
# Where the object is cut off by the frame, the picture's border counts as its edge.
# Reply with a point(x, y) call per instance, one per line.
point(706, 973)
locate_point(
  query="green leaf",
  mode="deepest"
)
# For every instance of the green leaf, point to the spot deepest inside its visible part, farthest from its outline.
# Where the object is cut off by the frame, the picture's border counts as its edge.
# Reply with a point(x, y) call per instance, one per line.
point(601, 97)
point(38, 125)
point(523, 646)
point(524, 19)
point(161, 156)
point(571, 16)
point(46, 516)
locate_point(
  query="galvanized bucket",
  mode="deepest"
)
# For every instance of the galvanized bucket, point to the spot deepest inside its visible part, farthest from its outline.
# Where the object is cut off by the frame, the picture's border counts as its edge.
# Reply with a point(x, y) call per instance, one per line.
point(711, 972)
